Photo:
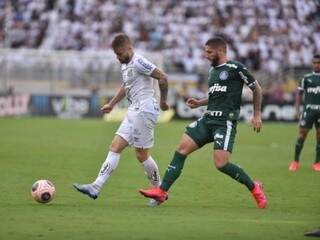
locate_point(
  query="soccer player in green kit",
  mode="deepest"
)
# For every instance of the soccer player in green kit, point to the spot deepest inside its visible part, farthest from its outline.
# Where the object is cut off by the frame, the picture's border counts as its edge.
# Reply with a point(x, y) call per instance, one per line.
point(218, 124)
point(309, 88)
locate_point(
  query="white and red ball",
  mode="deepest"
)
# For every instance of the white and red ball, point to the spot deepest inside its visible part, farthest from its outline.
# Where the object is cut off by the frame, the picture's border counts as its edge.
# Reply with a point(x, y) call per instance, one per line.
point(43, 191)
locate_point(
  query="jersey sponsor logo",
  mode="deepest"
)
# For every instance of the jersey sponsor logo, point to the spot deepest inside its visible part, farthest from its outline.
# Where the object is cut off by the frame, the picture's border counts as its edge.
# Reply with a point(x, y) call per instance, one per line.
point(144, 64)
point(315, 90)
point(223, 75)
point(215, 113)
point(217, 88)
point(313, 107)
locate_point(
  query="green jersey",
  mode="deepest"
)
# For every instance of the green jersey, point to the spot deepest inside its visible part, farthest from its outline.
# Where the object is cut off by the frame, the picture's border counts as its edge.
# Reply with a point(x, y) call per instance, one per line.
point(310, 85)
point(225, 89)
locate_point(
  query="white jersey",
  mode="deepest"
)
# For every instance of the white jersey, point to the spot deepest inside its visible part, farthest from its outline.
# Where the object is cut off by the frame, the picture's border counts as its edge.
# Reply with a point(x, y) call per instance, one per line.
point(139, 86)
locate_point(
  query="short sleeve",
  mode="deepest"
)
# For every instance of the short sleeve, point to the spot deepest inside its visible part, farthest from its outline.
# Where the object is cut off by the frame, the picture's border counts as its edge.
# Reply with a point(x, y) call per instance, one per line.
point(301, 85)
point(246, 76)
point(144, 66)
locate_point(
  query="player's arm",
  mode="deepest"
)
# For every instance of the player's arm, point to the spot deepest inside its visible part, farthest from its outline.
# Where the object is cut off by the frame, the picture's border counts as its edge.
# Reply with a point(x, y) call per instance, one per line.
point(299, 97)
point(257, 100)
point(194, 103)
point(107, 108)
point(255, 87)
point(163, 86)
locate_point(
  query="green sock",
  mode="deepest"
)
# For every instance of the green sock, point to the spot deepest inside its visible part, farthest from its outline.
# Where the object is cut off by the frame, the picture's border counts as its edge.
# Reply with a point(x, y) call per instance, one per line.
point(237, 174)
point(173, 171)
point(318, 151)
point(299, 146)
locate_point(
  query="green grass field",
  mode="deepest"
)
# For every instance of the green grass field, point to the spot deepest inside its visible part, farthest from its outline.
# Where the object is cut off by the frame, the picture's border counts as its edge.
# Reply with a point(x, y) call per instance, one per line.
point(203, 204)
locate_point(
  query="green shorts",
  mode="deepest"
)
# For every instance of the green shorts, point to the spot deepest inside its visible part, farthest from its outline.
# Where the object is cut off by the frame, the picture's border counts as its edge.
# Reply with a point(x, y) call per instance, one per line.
point(308, 118)
point(206, 130)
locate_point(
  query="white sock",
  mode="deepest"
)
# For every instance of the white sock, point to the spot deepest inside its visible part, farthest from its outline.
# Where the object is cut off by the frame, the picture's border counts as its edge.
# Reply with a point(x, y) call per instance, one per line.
point(107, 168)
point(152, 171)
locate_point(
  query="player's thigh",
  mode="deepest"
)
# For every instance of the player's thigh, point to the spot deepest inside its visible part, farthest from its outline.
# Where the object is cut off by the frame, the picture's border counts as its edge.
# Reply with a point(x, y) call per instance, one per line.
point(143, 130)
point(142, 154)
point(224, 136)
point(125, 130)
point(307, 120)
point(187, 145)
point(199, 132)
point(317, 122)
point(118, 144)
point(221, 157)
point(303, 132)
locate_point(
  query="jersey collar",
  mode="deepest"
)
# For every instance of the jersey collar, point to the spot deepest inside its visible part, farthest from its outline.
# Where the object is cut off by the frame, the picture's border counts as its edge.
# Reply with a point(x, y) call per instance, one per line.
point(318, 73)
point(220, 65)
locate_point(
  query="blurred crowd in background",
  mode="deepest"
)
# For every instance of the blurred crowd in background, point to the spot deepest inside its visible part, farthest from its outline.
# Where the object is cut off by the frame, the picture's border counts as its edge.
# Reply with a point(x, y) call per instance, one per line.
point(266, 35)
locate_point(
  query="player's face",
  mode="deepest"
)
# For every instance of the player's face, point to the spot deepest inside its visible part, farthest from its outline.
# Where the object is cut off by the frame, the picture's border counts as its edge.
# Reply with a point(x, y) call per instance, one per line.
point(316, 64)
point(124, 53)
point(212, 55)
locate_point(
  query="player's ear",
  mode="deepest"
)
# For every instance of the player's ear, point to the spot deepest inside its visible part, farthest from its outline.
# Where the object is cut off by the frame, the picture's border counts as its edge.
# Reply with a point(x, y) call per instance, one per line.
point(130, 48)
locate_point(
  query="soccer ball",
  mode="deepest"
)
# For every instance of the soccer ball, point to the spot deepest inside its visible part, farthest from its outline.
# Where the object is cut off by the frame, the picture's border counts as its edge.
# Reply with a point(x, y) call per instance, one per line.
point(43, 191)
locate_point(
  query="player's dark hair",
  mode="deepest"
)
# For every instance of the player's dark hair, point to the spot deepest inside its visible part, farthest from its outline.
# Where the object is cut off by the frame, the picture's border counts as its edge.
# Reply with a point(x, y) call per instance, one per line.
point(217, 42)
point(120, 40)
point(316, 56)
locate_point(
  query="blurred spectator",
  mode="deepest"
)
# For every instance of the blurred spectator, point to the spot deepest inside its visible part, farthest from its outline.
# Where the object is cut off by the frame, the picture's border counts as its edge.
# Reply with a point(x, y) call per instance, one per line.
point(274, 93)
point(264, 34)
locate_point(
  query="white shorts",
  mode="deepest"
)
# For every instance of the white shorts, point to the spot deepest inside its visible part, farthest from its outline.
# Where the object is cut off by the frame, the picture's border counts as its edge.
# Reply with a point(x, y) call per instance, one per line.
point(137, 128)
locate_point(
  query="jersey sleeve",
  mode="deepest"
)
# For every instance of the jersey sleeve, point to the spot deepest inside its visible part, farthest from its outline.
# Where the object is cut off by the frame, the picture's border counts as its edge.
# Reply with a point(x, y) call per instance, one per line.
point(301, 85)
point(246, 77)
point(144, 66)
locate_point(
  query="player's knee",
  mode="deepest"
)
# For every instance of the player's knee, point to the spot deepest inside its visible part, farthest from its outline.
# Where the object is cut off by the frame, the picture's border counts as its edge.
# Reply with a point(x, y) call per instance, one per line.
point(303, 134)
point(220, 158)
point(219, 163)
point(183, 149)
point(142, 155)
point(114, 147)
point(318, 135)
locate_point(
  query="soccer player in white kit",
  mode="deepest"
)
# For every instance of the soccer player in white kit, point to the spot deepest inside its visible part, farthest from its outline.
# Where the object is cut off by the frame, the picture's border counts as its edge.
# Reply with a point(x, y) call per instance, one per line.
point(137, 128)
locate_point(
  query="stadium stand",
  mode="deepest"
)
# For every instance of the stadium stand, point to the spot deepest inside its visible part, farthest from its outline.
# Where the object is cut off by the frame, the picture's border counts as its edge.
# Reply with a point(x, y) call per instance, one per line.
point(263, 34)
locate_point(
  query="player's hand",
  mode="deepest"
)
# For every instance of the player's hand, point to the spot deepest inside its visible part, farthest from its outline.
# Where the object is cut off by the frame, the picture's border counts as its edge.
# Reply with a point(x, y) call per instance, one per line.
point(164, 106)
point(256, 123)
point(107, 108)
point(192, 103)
point(296, 115)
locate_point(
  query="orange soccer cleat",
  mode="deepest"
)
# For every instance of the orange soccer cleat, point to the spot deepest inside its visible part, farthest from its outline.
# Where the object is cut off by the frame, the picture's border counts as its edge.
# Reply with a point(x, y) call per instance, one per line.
point(316, 166)
point(294, 165)
point(156, 193)
point(258, 195)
